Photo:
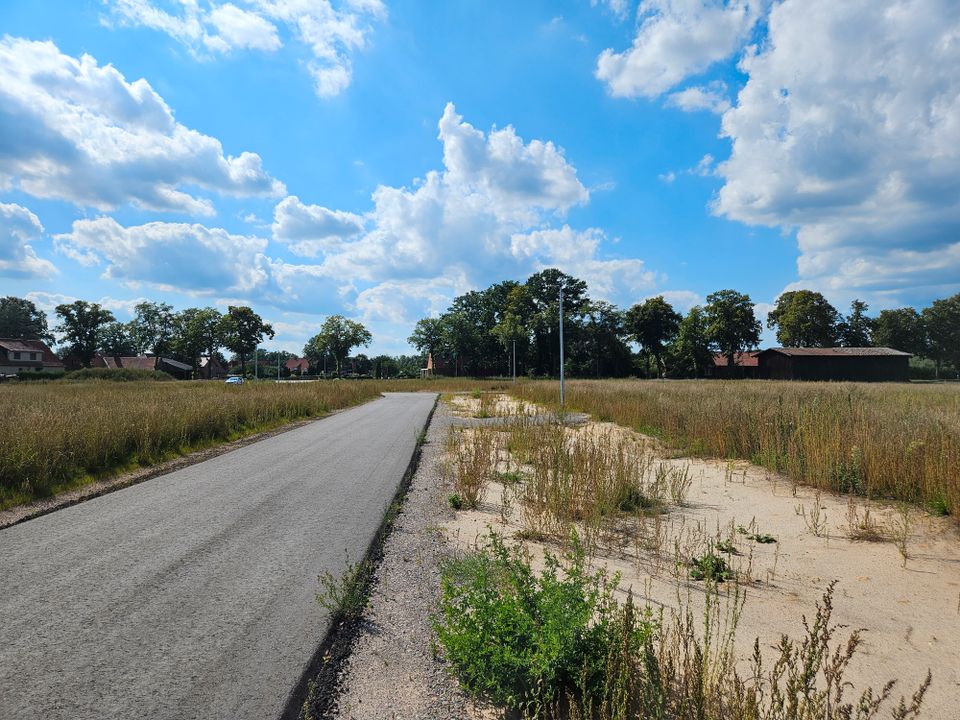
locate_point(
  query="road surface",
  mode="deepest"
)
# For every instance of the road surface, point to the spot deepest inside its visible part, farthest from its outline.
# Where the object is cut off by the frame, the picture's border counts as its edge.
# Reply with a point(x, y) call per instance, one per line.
point(191, 595)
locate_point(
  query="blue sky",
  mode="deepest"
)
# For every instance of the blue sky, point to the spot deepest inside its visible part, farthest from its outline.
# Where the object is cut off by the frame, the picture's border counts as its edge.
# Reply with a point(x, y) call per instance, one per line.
point(377, 158)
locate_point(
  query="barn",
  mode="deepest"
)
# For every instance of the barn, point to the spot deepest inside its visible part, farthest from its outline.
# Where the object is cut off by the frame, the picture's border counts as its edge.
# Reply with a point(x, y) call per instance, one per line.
point(873, 364)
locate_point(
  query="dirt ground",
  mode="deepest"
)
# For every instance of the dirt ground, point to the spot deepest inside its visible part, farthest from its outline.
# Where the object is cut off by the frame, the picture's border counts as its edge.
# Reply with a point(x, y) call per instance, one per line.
point(909, 608)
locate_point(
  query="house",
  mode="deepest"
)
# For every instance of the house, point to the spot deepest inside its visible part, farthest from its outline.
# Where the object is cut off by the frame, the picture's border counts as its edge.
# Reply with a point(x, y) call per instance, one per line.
point(27, 356)
point(298, 366)
point(745, 365)
point(437, 366)
point(179, 370)
point(211, 368)
point(860, 364)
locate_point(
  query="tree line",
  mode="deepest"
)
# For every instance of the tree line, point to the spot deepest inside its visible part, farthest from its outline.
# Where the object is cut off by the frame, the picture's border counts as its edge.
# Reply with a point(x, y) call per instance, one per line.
point(478, 333)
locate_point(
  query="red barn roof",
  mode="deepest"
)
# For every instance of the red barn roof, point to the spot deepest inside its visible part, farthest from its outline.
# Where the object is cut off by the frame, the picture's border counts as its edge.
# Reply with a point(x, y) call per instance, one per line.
point(744, 359)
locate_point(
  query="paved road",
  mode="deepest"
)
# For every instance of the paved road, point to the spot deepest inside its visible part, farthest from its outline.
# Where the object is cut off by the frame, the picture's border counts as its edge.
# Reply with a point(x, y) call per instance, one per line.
point(192, 595)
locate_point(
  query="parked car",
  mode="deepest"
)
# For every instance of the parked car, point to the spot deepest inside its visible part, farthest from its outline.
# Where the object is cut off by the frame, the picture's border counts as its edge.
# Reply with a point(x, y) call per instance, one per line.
point(234, 380)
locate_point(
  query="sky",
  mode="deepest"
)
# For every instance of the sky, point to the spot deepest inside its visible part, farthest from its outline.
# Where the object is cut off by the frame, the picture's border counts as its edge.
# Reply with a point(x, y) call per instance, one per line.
point(376, 158)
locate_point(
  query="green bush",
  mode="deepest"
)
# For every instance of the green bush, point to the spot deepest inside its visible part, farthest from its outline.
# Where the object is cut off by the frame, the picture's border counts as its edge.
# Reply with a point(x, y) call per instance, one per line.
point(528, 641)
point(42, 375)
point(117, 374)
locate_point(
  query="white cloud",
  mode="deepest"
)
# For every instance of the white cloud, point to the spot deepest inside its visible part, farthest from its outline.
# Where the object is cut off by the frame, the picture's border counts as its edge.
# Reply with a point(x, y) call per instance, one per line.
point(404, 302)
point(171, 256)
point(848, 130)
point(619, 8)
point(576, 253)
point(18, 227)
point(48, 302)
point(676, 39)
point(682, 300)
point(332, 33)
point(311, 229)
point(241, 29)
point(74, 130)
point(711, 98)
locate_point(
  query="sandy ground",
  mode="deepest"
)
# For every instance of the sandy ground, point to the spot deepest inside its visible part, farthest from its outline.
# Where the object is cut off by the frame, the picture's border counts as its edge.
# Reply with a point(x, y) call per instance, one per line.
point(909, 609)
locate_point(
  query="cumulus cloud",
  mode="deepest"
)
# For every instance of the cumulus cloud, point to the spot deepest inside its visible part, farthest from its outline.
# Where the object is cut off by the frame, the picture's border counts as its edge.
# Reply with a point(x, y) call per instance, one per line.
point(310, 229)
point(48, 302)
point(73, 130)
point(711, 98)
point(18, 227)
point(185, 257)
point(619, 8)
point(331, 32)
point(675, 40)
point(848, 131)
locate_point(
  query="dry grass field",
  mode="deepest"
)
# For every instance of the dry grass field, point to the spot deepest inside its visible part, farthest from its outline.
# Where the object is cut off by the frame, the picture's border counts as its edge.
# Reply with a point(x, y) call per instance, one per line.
point(890, 441)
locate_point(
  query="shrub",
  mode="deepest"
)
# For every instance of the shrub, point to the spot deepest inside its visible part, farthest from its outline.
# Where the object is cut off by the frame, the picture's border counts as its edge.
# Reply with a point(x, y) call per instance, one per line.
point(117, 374)
point(525, 640)
point(42, 375)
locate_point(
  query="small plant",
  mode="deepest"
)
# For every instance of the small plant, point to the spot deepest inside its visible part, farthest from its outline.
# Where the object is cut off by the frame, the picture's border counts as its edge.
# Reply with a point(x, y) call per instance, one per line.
point(711, 567)
point(345, 596)
point(816, 520)
point(510, 478)
point(727, 547)
point(757, 537)
point(863, 526)
point(456, 502)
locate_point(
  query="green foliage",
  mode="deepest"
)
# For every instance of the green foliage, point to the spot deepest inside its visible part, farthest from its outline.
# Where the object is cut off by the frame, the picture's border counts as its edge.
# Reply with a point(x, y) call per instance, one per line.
point(689, 354)
point(241, 330)
point(901, 329)
point(20, 319)
point(653, 324)
point(345, 595)
point(116, 375)
point(337, 337)
point(732, 326)
point(153, 328)
point(527, 640)
point(710, 567)
point(857, 328)
point(42, 375)
point(804, 318)
point(455, 501)
point(942, 323)
point(81, 327)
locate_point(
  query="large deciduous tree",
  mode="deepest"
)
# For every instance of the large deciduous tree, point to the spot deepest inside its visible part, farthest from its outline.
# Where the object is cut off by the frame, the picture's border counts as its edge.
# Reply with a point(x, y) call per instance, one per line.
point(198, 332)
point(116, 340)
point(153, 327)
point(942, 321)
point(856, 330)
point(732, 325)
point(653, 324)
point(689, 353)
point(804, 318)
point(337, 336)
point(20, 319)
point(427, 336)
point(901, 329)
point(81, 327)
point(241, 330)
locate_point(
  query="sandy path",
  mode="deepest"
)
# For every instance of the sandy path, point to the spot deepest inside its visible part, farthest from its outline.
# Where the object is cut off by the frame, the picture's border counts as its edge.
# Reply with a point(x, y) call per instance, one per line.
point(910, 611)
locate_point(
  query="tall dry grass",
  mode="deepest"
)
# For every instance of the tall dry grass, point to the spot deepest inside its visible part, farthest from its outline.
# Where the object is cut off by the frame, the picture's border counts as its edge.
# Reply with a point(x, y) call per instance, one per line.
point(893, 441)
point(60, 434)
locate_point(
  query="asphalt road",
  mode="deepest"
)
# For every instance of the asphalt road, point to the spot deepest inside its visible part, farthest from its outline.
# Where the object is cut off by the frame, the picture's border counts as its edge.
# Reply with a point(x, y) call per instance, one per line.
point(191, 595)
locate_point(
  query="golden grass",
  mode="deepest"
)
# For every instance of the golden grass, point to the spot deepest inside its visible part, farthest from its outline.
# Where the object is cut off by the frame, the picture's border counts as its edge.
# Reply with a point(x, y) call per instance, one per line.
point(892, 441)
point(58, 435)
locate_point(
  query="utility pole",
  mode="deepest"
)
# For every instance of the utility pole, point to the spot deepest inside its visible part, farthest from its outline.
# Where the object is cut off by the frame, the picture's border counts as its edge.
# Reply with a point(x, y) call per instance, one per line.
point(514, 360)
point(278, 366)
point(256, 363)
point(561, 347)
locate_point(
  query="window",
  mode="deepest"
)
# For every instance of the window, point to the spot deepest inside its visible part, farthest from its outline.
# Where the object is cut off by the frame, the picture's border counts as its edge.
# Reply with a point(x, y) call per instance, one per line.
point(34, 356)
point(16, 356)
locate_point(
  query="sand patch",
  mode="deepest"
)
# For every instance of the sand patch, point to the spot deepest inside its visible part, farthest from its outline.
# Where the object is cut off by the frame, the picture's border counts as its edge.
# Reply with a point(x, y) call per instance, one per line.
point(908, 607)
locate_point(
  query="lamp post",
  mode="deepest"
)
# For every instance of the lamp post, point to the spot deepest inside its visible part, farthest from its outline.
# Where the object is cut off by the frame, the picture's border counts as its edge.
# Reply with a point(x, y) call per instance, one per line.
point(514, 360)
point(561, 347)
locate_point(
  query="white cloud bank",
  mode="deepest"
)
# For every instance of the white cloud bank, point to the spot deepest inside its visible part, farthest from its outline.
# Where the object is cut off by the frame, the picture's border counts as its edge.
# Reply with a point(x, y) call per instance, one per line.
point(73, 130)
point(676, 39)
point(848, 130)
point(331, 33)
point(18, 227)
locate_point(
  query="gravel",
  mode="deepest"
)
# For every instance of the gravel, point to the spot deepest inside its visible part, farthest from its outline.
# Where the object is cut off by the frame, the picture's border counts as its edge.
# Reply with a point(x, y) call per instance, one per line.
point(393, 671)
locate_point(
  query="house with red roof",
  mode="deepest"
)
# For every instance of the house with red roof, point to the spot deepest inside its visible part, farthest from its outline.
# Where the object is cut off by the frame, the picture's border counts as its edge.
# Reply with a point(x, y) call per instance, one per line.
point(18, 356)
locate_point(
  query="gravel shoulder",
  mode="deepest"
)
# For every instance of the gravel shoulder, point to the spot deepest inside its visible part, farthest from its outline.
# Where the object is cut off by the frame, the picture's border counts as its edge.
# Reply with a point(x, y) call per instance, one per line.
point(392, 671)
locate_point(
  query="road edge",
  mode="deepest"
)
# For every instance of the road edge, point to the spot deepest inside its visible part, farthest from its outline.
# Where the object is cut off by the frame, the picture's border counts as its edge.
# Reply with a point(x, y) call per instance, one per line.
point(320, 678)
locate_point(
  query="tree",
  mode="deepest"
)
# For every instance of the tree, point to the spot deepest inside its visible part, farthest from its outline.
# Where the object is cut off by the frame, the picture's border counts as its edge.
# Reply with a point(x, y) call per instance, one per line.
point(337, 336)
point(901, 329)
point(115, 340)
point(241, 330)
point(543, 289)
point(653, 324)
point(20, 319)
point(857, 328)
point(81, 327)
point(689, 353)
point(197, 332)
point(459, 337)
point(732, 326)
point(804, 318)
point(942, 321)
point(153, 327)
point(427, 336)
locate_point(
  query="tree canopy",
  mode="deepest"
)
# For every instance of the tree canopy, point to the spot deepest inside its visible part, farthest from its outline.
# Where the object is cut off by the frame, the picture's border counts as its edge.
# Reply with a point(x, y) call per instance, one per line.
point(804, 318)
point(732, 326)
point(20, 319)
point(337, 337)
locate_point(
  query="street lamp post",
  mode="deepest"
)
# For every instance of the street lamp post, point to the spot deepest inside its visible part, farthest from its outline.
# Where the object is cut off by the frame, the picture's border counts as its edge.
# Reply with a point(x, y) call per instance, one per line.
point(561, 347)
point(514, 360)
